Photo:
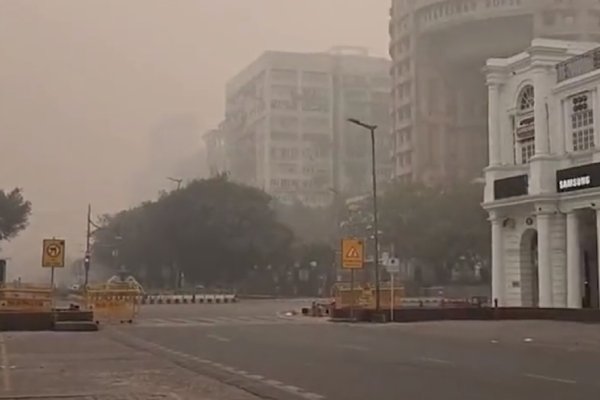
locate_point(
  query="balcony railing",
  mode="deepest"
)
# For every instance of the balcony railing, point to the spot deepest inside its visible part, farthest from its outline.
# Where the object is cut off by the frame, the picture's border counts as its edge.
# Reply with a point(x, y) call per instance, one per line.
point(579, 65)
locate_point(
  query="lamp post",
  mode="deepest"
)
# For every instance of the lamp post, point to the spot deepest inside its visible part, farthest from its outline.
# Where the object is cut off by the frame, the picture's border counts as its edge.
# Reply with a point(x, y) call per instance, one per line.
point(178, 181)
point(371, 129)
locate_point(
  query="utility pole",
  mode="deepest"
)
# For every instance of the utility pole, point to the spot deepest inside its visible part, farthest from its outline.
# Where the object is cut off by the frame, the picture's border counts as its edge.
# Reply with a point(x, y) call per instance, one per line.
point(87, 257)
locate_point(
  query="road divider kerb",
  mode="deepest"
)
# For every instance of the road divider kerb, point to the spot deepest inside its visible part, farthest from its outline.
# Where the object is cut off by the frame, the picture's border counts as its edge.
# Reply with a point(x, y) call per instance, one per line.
point(150, 299)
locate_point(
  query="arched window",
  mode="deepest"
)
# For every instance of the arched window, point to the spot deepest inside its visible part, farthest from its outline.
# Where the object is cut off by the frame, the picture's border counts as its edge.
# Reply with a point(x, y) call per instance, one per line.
point(526, 101)
point(525, 126)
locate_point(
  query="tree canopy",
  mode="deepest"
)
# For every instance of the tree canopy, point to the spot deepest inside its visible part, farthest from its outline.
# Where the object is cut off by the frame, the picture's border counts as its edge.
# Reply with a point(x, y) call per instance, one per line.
point(14, 213)
point(213, 231)
point(440, 227)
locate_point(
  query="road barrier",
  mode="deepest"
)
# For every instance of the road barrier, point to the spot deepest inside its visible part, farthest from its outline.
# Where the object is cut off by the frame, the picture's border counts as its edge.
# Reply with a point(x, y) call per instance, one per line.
point(188, 299)
point(112, 302)
point(25, 297)
point(363, 297)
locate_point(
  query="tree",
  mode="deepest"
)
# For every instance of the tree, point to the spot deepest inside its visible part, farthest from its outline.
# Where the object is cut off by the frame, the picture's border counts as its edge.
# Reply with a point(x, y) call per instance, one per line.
point(213, 231)
point(438, 227)
point(14, 213)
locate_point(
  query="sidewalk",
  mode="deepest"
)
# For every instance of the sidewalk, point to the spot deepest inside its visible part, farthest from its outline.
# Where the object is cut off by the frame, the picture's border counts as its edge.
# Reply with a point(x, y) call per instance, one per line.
point(91, 366)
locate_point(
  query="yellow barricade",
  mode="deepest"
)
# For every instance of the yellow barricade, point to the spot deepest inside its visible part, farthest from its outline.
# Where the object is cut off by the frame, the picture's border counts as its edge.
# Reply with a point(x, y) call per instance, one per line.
point(113, 303)
point(363, 296)
point(25, 297)
point(359, 297)
point(385, 295)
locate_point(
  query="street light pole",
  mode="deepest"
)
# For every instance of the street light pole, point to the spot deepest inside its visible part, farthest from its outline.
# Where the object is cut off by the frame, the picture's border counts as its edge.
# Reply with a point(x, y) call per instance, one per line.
point(375, 221)
point(372, 129)
point(178, 181)
point(86, 259)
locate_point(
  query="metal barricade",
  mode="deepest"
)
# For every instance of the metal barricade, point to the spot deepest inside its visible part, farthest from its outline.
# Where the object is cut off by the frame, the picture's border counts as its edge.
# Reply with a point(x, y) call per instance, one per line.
point(25, 297)
point(113, 303)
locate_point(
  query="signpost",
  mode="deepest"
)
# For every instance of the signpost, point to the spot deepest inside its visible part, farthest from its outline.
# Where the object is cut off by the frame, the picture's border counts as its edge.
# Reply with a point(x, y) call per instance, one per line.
point(53, 256)
point(393, 268)
point(353, 258)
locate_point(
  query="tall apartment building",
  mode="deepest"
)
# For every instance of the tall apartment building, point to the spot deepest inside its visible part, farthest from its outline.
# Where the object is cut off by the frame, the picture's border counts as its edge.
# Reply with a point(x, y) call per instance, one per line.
point(285, 127)
point(438, 50)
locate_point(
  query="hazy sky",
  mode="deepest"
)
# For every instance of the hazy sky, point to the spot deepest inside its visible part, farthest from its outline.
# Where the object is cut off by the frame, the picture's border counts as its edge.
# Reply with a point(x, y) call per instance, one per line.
point(84, 82)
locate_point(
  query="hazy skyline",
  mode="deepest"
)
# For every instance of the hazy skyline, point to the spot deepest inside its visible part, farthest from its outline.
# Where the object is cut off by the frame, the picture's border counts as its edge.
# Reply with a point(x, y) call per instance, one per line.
point(83, 83)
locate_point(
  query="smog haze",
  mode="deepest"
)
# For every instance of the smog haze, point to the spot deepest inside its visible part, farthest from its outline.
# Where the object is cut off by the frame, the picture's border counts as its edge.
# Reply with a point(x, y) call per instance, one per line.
point(89, 90)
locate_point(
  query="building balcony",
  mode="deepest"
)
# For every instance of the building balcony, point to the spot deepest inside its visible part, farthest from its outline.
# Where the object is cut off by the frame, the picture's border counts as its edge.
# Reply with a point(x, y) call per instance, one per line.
point(579, 65)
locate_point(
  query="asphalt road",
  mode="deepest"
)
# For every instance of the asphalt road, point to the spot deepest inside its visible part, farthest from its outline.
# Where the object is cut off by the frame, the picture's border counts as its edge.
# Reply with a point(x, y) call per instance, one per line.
point(255, 346)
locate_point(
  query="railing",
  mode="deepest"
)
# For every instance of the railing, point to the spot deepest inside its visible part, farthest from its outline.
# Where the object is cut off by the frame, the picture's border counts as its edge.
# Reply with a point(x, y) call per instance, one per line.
point(579, 65)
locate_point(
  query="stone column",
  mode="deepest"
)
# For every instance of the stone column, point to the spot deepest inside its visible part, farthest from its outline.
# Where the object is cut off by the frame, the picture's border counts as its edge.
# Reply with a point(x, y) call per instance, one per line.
point(542, 140)
point(544, 222)
point(494, 131)
point(598, 244)
point(498, 288)
point(573, 262)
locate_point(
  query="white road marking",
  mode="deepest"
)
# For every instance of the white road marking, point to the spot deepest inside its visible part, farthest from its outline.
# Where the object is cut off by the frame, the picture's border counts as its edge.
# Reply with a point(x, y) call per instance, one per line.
point(312, 396)
point(273, 382)
point(551, 379)
point(352, 347)
point(435, 360)
point(218, 338)
point(227, 319)
point(291, 388)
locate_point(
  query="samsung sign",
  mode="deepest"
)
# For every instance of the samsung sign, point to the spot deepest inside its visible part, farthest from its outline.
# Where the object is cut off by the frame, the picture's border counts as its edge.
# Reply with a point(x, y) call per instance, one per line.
point(578, 178)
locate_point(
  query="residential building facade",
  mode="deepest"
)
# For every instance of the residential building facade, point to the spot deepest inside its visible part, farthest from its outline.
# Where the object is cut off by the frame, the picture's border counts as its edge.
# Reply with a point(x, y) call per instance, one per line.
point(438, 48)
point(285, 128)
point(543, 178)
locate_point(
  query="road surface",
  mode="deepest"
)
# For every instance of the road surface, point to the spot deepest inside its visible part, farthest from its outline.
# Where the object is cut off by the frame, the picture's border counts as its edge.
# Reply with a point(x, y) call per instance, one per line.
point(256, 347)
point(255, 350)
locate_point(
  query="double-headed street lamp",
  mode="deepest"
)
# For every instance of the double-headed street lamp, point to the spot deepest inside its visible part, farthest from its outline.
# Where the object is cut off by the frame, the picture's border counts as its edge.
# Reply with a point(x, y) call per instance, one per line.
point(371, 129)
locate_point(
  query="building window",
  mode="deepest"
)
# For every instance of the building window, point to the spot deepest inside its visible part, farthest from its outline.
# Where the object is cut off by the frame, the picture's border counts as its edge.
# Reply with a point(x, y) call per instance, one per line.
point(527, 150)
point(524, 128)
point(526, 101)
point(582, 123)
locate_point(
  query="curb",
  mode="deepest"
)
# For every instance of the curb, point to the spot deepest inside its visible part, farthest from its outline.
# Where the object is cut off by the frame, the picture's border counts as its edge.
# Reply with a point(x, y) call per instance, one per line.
point(188, 299)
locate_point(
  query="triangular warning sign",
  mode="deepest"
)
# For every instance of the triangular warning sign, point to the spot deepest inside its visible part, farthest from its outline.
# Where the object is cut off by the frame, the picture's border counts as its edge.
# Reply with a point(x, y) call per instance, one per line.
point(352, 253)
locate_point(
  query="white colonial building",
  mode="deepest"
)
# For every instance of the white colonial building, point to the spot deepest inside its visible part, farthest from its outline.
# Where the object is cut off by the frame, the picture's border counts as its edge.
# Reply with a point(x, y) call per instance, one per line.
point(543, 179)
